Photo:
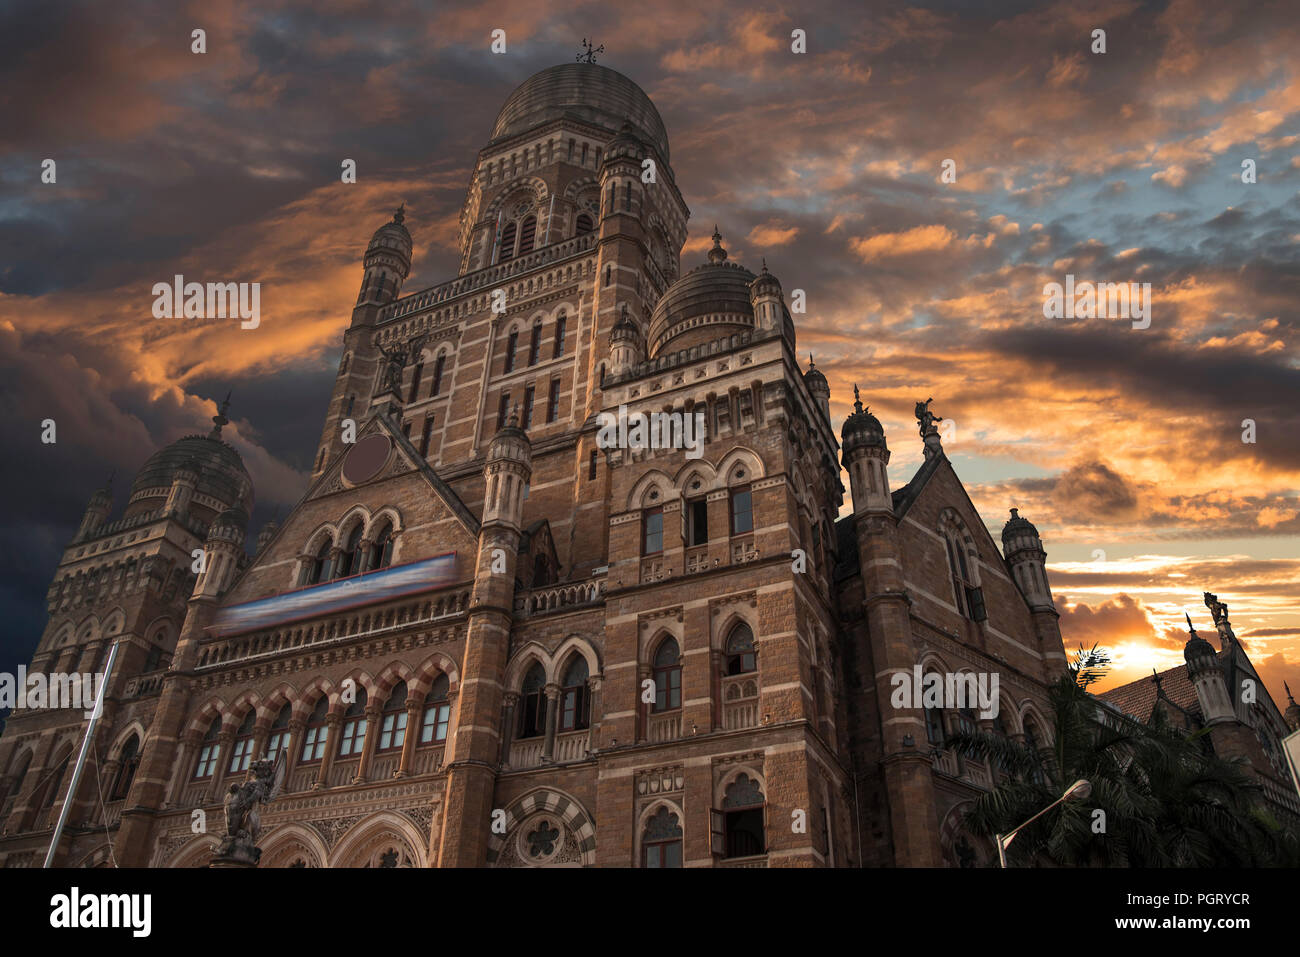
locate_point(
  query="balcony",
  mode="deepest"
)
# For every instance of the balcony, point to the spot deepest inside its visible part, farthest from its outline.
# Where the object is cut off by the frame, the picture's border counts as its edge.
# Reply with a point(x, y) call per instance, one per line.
point(974, 772)
point(758, 860)
point(304, 779)
point(740, 702)
point(344, 772)
point(539, 601)
point(664, 727)
point(571, 746)
point(527, 753)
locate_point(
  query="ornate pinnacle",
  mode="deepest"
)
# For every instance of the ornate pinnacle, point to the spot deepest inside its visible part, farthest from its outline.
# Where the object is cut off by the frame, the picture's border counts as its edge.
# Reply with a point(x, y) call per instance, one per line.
point(1190, 629)
point(220, 419)
point(857, 399)
point(400, 214)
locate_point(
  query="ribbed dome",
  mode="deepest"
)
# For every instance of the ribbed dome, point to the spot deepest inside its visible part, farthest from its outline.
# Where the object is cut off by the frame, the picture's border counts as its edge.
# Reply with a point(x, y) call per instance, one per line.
point(588, 92)
point(393, 233)
point(815, 381)
point(1016, 525)
point(220, 469)
point(710, 302)
point(860, 429)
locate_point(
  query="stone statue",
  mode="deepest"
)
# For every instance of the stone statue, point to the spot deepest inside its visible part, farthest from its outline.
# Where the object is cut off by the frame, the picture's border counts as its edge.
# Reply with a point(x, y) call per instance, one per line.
point(925, 418)
point(395, 362)
point(1218, 610)
point(243, 806)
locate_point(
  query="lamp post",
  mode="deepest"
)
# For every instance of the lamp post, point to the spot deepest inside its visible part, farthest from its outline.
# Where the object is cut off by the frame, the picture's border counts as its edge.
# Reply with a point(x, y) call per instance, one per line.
point(1078, 791)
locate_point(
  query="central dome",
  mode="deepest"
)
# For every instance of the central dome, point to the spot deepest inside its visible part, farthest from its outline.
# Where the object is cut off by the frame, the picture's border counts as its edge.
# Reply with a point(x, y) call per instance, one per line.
point(710, 302)
point(221, 475)
point(587, 92)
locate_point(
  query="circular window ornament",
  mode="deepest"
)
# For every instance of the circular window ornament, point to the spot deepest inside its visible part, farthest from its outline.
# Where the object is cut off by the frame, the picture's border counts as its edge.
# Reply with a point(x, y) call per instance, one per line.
point(540, 840)
point(366, 458)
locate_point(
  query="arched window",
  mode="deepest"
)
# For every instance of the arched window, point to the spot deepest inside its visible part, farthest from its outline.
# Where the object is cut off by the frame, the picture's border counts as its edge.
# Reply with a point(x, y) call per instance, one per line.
point(668, 676)
point(507, 242)
point(438, 368)
point(153, 659)
point(242, 749)
point(742, 819)
point(381, 552)
point(935, 732)
point(348, 556)
point(535, 344)
point(318, 568)
point(532, 703)
point(437, 711)
point(316, 731)
point(575, 700)
point(741, 659)
point(128, 761)
point(527, 232)
point(512, 343)
point(585, 225)
point(16, 776)
point(557, 348)
point(392, 728)
point(968, 596)
point(279, 737)
point(54, 785)
point(1033, 742)
point(209, 751)
point(415, 382)
point(353, 738)
point(661, 842)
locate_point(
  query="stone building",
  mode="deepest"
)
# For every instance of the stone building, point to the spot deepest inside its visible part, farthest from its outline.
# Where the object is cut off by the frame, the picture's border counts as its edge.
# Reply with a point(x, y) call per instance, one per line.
point(485, 637)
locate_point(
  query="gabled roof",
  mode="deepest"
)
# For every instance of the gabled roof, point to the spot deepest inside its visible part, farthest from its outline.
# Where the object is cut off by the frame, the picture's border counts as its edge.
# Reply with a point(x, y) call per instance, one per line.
point(1138, 698)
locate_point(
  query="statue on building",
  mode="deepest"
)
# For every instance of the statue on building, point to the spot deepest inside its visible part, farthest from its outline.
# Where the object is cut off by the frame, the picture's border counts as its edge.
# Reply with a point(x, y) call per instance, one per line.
point(243, 807)
point(925, 418)
point(1218, 609)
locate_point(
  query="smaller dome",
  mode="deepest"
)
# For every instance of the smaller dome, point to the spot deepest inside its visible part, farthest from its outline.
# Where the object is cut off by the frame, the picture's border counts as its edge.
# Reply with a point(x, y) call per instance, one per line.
point(1198, 650)
point(393, 232)
point(765, 284)
point(861, 428)
point(815, 381)
point(511, 441)
point(1018, 526)
point(625, 328)
point(625, 143)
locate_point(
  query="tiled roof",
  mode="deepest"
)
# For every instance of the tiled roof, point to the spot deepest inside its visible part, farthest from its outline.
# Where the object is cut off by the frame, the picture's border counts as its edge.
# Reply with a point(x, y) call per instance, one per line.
point(1138, 698)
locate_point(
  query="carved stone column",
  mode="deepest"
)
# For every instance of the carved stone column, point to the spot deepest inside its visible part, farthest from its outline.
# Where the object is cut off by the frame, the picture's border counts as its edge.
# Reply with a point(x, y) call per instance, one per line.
point(189, 745)
point(595, 709)
point(374, 714)
point(332, 722)
point(413, 714)
point(552, 718)
point(293, 743)
point(508, 726)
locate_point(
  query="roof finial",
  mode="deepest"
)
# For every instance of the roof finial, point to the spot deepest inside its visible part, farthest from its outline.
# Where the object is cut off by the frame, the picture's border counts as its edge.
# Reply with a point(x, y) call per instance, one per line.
point(1288, 692)
point(1155, 676)
point(857, 399)
point(220, 419)
point(1190, 629)
point(589, 55)
point(400, 214)
point(811, 364)
point(717, 254)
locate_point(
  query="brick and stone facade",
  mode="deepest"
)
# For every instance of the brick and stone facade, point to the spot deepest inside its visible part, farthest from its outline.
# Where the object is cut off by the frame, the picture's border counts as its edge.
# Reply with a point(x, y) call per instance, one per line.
point(638, 657)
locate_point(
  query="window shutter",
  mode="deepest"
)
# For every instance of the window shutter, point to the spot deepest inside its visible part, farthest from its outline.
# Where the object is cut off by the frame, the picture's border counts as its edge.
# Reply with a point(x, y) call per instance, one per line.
point(718, 837)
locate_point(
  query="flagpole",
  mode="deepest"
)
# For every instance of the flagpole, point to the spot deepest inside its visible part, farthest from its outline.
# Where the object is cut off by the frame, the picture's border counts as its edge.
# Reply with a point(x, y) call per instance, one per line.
point(81, 758)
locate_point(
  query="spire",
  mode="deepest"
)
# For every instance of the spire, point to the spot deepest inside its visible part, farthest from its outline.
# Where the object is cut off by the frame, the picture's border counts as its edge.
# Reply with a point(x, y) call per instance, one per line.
point(220, 419)
point(717, 254)
point(1190, 630)
point(1155, 676)
point(1288, 692)
point(811, 364)
point(857, 399)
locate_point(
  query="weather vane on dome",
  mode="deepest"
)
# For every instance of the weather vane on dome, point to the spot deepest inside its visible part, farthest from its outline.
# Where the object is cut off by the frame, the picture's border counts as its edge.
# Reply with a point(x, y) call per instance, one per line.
point(589, 55)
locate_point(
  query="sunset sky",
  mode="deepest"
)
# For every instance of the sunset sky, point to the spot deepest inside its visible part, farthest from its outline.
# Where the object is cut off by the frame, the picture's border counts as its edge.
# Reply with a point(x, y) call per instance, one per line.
point(1124, 446)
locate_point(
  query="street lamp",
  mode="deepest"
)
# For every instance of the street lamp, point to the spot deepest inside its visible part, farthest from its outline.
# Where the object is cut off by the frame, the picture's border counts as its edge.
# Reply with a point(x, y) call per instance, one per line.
point(1078, 791)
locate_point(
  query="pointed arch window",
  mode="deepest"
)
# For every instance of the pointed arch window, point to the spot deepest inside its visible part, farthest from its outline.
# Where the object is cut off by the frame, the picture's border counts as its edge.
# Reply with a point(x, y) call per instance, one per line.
point(668, 676)
point(353, 738)
point(584, 225)
point(535, 344)
point(661, 842)
point(381, 552)
point(437, 711)
point(532, 703)
point(54, 786)
point(279, 737)
point(416, 374)
point(316, 732)
point(557, 349)
point(967, 594)
point(128, 761)
point(348, 557)
point(318, 568)
point(508, 242)
point(392, 727)
point(438, 368)
point(741, 819)
point(512, 344)
point(741, 656)
point(209, 751)
point(575, 700)
point(242, 748)
point(527, 233)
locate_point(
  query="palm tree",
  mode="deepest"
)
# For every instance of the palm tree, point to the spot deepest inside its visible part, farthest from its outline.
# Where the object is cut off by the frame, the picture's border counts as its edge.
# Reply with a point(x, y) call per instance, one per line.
point(1158, 798)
